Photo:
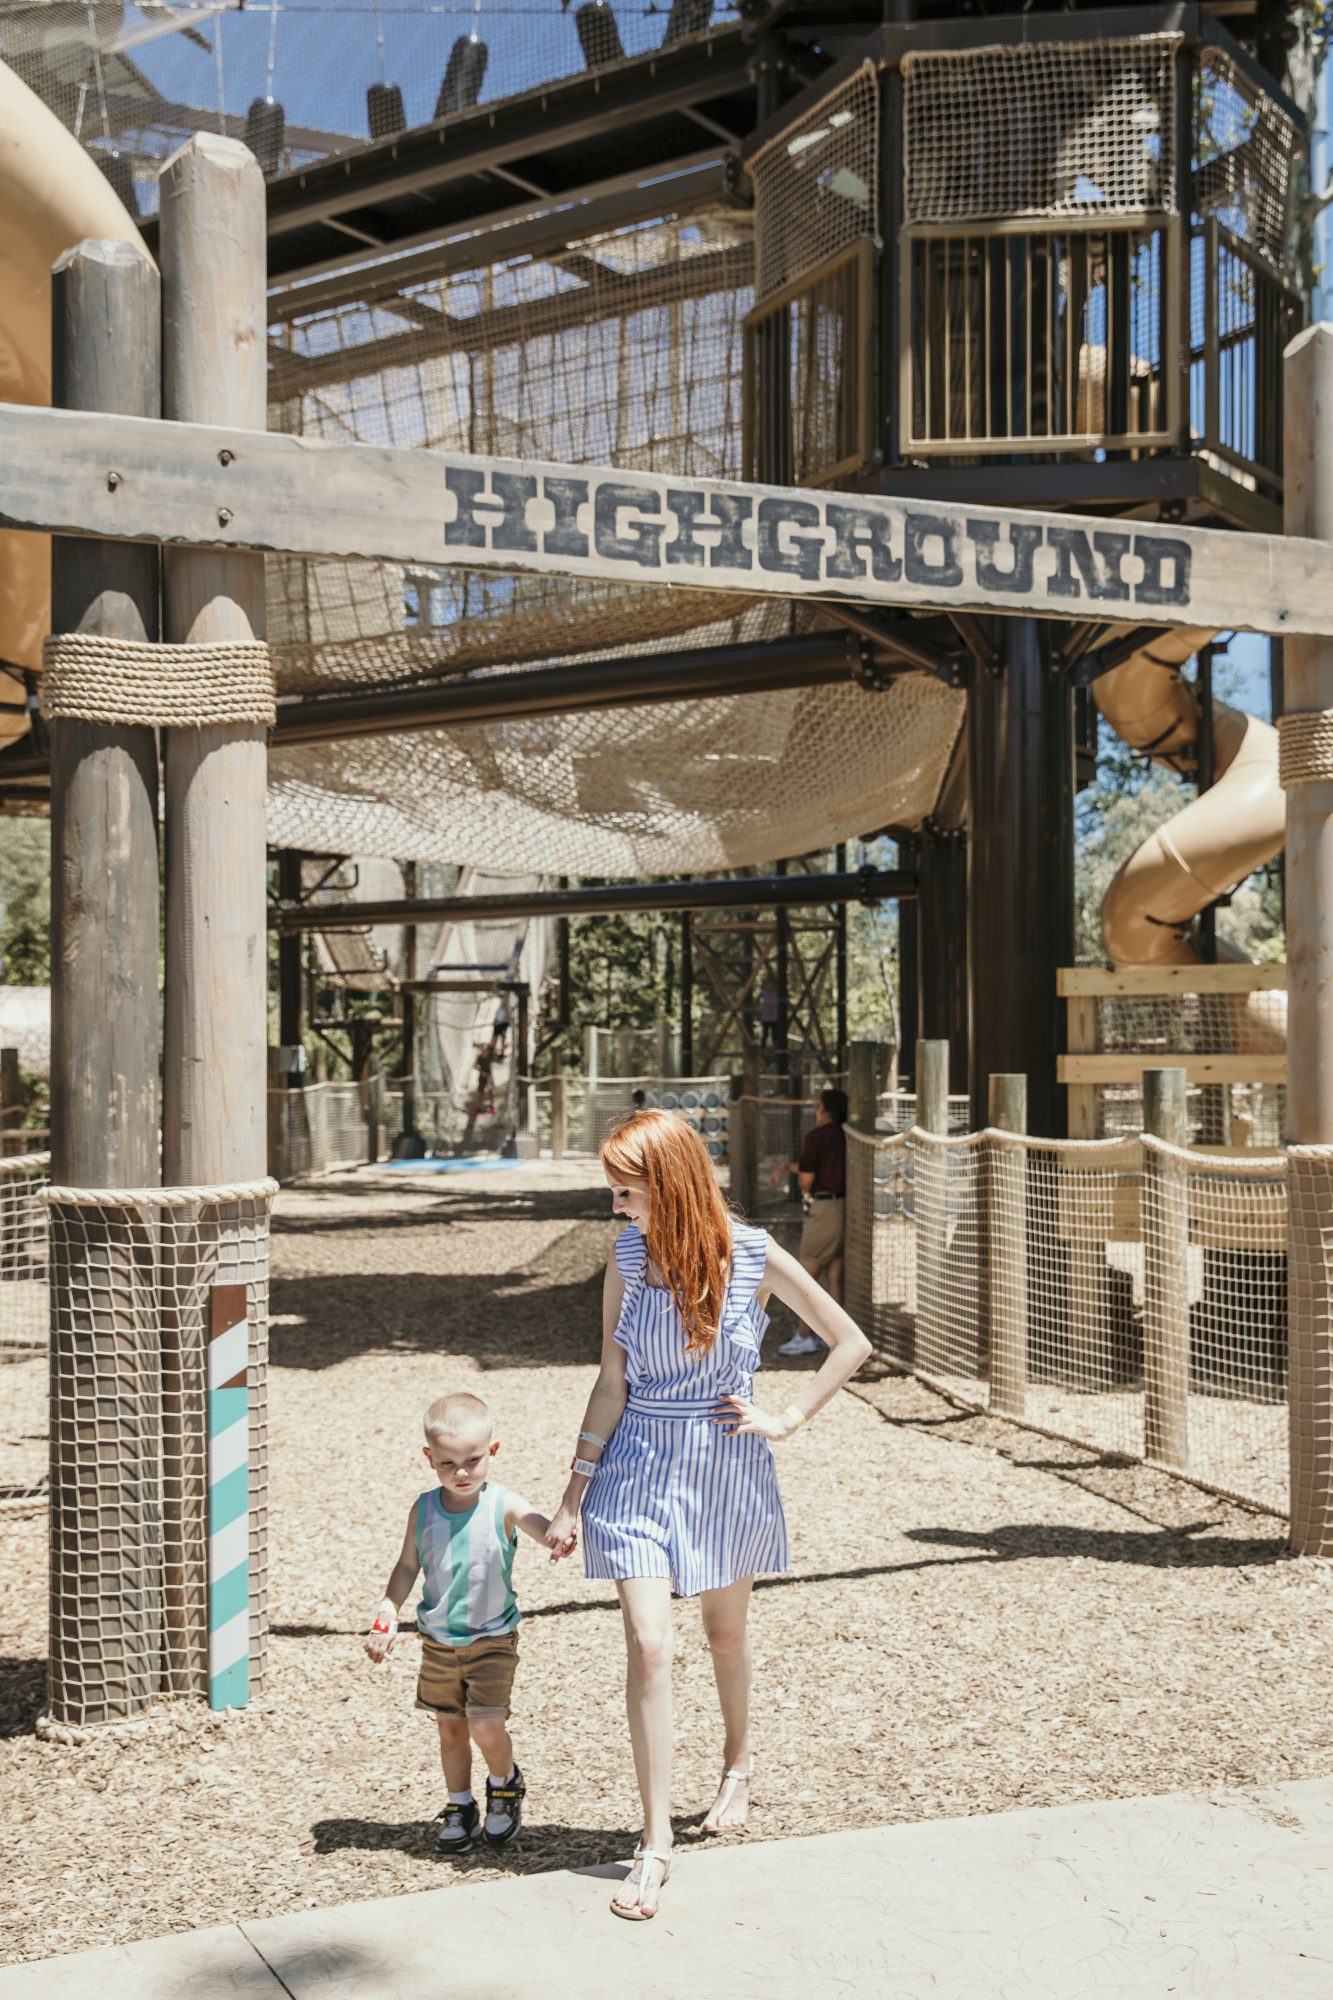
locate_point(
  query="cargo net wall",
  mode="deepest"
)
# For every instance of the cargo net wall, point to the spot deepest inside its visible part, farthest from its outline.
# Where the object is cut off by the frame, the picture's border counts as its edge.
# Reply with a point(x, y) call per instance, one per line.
point(623, 349)
point(132, 1278)
point(816, 186)
point(134, 90)
point(593, 1109)
point(24, 1383)
point(1045, 129)
point(1245, 153)
point(1158, 1029)
point(1123, 1295)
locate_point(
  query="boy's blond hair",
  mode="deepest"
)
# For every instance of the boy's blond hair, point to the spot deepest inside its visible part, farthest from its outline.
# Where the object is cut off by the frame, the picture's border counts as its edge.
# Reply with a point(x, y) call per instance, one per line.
point(461, 1412)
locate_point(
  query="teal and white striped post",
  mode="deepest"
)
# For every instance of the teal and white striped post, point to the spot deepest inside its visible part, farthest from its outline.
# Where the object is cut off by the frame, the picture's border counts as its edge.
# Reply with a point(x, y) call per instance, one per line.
point(228, 1500)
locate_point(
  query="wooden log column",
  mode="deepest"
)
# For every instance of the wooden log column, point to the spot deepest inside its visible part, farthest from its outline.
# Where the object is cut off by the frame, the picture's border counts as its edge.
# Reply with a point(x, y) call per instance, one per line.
point(1007, 1251)
point(1308, 690)
point(106, 1547)
point(1166, 1301)
point(213, 278)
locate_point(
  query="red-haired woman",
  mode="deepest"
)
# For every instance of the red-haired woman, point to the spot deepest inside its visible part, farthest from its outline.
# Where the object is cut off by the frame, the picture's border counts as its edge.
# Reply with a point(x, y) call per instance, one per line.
point(674, 1466)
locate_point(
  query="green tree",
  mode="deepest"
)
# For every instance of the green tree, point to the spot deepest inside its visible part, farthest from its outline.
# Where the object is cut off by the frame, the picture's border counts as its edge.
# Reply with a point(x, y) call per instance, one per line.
point(25, 901)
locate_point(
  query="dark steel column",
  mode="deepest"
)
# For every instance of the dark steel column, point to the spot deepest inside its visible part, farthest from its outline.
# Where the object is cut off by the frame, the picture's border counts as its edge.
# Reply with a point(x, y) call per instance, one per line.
point(782, 1031)
point(686, 993)
point(1020, 868)
point(291, 950)
point(909, 964)
point(840, 971)
point(942, 944)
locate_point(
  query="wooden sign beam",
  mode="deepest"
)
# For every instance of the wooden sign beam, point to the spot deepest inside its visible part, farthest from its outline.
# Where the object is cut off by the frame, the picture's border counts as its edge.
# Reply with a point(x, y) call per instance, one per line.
point(197, 486)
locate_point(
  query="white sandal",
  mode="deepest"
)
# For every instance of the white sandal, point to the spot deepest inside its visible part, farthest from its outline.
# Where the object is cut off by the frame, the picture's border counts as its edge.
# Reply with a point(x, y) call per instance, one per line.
point(730, 1780)
point(634, 1912)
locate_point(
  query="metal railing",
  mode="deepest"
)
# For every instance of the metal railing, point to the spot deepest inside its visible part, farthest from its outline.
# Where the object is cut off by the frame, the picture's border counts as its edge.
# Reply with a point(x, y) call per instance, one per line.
point(1020, 339)
point(809, 411)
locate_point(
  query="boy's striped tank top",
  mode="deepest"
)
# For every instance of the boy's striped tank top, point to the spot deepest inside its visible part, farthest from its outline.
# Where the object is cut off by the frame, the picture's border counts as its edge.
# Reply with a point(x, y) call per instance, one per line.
point(467, 1562)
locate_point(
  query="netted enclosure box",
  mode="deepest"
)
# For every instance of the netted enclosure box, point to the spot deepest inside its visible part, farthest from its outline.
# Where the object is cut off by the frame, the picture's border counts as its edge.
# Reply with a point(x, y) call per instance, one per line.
point(1057, 247)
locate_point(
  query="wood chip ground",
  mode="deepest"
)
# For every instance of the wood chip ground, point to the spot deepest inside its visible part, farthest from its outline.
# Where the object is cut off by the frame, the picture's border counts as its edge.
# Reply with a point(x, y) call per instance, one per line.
point(977, 1619)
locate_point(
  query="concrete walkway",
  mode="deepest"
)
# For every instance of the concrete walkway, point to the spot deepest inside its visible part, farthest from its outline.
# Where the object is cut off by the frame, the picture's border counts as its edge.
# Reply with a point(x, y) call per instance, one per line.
point(1228, 1894)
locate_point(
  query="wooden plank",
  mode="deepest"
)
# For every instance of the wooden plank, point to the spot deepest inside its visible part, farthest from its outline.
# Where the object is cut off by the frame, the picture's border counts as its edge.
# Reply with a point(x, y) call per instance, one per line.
point(1129, 1068)
point(1081, 1024)
point(1096, 982)
point(201, 486)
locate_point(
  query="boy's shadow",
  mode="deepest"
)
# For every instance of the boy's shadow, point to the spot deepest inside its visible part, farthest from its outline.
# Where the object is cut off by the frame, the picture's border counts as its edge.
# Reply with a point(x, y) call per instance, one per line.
point(538, 1849)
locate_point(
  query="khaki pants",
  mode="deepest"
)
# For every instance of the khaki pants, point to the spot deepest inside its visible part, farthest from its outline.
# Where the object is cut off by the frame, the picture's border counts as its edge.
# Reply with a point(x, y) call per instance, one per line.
point(821, 1238)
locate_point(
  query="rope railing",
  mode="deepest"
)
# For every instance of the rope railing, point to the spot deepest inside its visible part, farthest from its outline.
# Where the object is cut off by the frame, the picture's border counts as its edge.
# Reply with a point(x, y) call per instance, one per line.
point(1125, 1294)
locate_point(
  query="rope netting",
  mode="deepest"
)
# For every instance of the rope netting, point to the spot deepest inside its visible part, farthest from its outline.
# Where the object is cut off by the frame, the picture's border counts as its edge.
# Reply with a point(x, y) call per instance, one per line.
point(1125, 1295)
point(1245, 153)
point(24, 1385)
point(816, 185)
point(593, 1109)
point(1040, 129)
point(135, 87)
point(624, 349)
point(1160, 1028)
point(133, 1274)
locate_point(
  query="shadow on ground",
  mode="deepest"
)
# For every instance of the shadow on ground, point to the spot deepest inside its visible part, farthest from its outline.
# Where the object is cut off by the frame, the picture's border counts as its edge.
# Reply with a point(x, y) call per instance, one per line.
point(22, 1695)
point(510, 1319)
point(1187, 1547)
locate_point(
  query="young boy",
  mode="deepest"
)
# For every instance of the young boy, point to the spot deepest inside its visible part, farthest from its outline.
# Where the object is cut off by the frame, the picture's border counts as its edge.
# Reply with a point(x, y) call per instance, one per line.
point(462, 1535)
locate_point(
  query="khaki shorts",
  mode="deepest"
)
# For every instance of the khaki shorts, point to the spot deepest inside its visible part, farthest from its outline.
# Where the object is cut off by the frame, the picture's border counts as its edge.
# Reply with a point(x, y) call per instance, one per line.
point(821, 1238)
point(468, 1680)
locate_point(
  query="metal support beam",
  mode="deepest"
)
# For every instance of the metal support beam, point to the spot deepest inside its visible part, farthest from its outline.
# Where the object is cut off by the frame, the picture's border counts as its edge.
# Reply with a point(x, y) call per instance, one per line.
point(867, 885)
point(810, 660)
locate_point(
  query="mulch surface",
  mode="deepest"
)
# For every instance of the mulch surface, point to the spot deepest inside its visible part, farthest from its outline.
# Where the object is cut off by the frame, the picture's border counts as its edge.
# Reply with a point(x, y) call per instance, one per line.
point(977, 1619)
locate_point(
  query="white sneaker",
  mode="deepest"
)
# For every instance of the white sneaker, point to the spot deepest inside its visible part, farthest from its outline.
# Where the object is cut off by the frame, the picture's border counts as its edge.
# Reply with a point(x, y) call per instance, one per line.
point(801, 1343)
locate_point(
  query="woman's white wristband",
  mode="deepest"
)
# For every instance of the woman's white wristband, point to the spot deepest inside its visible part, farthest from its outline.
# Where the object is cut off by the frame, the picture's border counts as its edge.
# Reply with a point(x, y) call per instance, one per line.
point(793, 1417)
point(584, 1466)
point(591, 1437)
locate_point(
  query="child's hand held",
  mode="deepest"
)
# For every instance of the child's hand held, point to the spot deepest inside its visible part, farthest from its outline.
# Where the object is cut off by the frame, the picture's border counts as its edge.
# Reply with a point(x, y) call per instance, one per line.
point(380, 1638)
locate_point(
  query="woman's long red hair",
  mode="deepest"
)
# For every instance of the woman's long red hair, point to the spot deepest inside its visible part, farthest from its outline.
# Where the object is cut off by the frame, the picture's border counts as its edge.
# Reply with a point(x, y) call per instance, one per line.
point(689, 1229)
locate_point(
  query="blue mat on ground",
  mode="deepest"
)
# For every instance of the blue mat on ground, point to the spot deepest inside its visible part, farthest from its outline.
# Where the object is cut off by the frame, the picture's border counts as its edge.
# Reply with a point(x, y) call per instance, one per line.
point(487, 1160)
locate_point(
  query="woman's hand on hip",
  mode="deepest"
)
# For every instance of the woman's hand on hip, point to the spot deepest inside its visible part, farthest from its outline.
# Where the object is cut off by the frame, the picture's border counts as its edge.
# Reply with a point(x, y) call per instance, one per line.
point(739, 1417)
point(563, 1533)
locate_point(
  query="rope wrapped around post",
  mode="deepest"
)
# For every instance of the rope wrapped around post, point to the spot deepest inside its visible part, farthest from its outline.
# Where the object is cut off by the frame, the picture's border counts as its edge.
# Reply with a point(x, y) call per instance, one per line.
point(1305, 748)
point(89, 677)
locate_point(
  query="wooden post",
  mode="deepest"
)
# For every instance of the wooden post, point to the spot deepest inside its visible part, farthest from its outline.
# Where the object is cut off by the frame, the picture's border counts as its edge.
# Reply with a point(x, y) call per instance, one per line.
point(931, 1180)
point(1082, 1030)
point(866, 1067)
point(374, 1089)
point(743, 1137)
point(1308, 686)
point(105, 1055)
point(11, 1102)
point(213, 254)
point(522, 1064)
point(1166, 1305)
point(1007, 1259)
point(559, 1126)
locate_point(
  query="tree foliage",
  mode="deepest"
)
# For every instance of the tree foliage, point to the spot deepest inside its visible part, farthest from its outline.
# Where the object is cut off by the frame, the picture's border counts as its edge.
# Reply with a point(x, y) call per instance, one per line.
point(25, 901)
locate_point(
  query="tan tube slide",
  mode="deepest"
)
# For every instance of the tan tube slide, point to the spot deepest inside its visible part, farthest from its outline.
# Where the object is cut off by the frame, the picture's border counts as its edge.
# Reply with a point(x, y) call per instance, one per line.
point(1213, 843)
point(52, 196)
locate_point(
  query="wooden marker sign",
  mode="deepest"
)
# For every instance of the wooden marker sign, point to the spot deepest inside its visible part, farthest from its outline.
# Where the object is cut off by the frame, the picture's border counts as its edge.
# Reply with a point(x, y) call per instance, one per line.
point(228, 1499)
point(191, 485)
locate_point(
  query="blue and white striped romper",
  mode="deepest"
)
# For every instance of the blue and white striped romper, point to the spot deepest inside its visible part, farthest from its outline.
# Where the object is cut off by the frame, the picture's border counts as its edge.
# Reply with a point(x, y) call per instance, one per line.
point(674, 1495)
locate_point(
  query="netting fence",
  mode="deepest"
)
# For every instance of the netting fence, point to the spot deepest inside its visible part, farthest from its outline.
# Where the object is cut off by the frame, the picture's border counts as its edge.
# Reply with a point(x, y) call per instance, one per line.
point(1126, 1295)
point(574, 1115)
point(24, 1385)
point(1040, 129)
point(106, 1307)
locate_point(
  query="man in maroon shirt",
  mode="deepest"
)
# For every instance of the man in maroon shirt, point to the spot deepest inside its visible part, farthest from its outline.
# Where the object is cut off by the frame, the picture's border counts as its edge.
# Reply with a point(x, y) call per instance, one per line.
point(821, 1173)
